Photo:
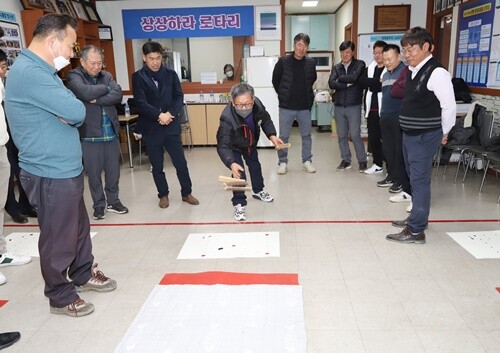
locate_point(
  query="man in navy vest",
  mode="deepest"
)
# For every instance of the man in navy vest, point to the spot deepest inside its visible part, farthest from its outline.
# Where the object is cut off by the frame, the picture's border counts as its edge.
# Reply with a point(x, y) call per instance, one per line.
point(428, 113)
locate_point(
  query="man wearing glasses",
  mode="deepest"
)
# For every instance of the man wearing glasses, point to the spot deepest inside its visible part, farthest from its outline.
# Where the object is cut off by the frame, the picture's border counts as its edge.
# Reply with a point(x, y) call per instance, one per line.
point(428, 113)
point(99, 133)
point(237, 137)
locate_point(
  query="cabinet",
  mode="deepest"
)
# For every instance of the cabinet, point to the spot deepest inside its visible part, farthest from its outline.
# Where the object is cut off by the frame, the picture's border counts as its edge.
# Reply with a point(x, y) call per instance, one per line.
point(87, 34)
point(323, 114)
point(204, 121)
point(316, 26)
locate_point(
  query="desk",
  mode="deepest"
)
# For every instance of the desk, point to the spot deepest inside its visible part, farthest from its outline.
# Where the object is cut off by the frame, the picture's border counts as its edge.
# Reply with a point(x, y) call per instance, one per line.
point(127, 121)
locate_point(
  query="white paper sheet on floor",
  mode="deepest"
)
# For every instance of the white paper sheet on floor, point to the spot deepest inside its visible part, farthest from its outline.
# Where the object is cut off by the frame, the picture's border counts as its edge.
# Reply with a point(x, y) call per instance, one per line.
point(219, 319)
point(481, 245)
point(230, 245)
point(26, 243)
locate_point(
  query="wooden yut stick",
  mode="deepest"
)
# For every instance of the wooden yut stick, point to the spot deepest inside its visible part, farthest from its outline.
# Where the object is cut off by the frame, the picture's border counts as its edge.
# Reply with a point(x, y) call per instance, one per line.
point(226, 179)
point(282, 146)
point(241, 183)
point(237, 188)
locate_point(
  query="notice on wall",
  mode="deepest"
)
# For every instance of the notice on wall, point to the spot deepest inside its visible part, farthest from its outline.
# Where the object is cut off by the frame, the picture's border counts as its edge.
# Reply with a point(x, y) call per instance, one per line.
point(477, 48)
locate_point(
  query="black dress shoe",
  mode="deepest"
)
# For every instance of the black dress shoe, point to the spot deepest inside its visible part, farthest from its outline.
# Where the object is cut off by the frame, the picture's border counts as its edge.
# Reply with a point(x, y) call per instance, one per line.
point(18, 218)
point(403, 223)
point(7, 339)
point(406, 237)
point(32, 212)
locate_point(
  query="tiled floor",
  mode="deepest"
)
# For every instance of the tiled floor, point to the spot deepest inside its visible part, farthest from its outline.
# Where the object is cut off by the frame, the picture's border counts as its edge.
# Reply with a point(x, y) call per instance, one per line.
point(362, 294)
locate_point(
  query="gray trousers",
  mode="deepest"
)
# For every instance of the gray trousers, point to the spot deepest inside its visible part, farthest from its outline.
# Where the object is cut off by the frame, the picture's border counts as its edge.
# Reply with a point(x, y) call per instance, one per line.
point(303, 118)
point(99, 157)
point(65, 246)
point(4, 184)
point(348, 120)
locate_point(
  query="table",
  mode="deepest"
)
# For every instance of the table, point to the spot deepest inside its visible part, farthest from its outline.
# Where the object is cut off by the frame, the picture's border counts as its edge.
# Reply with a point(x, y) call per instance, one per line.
point(124, 120)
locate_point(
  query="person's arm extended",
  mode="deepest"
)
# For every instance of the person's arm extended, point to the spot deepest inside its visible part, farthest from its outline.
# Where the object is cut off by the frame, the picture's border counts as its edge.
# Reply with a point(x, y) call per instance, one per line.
point(440, 83)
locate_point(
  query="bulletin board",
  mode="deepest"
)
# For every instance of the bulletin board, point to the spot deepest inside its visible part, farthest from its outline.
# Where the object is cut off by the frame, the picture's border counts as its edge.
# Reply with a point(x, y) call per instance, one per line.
point(366, 41)
point(478, 47)
point(11, 42)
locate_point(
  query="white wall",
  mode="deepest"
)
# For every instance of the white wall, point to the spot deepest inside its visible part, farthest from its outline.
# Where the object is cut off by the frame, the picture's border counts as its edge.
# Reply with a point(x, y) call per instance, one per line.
point(220, 50)
point(342, 18)
point(110, 13)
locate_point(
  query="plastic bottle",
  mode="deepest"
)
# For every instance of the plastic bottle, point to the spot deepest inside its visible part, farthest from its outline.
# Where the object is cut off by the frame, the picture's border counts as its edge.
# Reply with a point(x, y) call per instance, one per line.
point(212, 97)
point(127, 110)
point(202, 97)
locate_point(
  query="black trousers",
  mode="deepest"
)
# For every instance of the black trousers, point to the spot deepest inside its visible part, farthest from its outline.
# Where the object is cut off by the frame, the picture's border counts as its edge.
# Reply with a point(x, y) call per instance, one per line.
point(255, 170)
point(12, 206)
point(392, 144)
point(375, 138)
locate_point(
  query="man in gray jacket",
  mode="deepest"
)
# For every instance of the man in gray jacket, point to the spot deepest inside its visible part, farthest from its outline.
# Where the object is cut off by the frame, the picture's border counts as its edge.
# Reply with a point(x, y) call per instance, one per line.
point(99, 92)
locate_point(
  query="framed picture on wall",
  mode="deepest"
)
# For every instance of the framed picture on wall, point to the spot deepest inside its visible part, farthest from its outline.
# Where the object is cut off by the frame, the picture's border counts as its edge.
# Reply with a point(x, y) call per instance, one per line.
point(79, 10)
point(92, 13)
point(105, 32)
point(11, 43)
point(267, 22)
point(32, 4)
point(451, 3)
point(437, 6)
point(392, 18)
point(48, 5)
point(62, 7)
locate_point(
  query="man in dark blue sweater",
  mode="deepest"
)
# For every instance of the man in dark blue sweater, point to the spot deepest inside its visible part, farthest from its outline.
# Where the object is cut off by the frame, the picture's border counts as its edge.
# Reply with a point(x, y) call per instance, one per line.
point(159, 99)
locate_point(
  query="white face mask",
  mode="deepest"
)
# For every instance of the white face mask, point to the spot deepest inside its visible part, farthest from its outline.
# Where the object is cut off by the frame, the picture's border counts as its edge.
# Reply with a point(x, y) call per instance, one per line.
point(60, 61)
point(229, 74)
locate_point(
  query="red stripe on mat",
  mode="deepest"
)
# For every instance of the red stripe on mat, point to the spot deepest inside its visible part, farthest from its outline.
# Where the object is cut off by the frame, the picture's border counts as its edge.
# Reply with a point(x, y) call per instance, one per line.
point(231, 278)
point(3, 302)
point(498, 289)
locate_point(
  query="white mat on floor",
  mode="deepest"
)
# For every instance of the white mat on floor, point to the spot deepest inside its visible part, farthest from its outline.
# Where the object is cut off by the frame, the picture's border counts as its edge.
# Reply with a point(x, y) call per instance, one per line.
point(481, 245)
point(230, 245)
point(26, 243)
point(219, 319)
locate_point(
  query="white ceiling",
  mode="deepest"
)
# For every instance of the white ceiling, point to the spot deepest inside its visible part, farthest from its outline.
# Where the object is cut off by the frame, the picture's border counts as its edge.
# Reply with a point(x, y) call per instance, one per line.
point(294, 7)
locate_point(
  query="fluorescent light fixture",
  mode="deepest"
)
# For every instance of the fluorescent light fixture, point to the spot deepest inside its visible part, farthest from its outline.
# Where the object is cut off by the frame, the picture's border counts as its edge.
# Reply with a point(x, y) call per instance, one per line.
point(308, 3)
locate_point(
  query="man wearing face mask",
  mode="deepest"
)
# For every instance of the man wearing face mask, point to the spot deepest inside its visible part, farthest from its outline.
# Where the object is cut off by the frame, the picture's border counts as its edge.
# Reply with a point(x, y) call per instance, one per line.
point(44, 116)
point(237, 137)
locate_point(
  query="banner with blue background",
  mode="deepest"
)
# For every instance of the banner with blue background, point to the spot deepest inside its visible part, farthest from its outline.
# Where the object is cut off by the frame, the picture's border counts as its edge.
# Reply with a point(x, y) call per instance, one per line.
point(189, 22)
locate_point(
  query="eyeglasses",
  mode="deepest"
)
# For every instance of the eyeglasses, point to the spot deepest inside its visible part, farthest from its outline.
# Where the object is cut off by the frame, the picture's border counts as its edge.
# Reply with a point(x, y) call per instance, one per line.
point(244, 106)
point(411, 49)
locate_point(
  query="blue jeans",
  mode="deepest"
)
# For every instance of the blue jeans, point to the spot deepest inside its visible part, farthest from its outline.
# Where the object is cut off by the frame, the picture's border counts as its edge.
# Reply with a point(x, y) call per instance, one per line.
point(303, 118)
point(418, 152)
point(155, 145)
point(348, 120)
point(255, 169)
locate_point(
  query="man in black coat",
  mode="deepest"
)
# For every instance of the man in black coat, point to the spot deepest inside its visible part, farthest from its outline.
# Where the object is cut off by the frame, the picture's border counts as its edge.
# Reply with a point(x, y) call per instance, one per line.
point(237, 137)
point(159, 99)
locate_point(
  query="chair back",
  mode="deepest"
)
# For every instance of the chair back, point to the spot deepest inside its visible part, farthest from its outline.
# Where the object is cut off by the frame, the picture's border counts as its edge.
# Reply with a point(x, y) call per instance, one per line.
point(486, 128)
point(477, 121)
point(183, 115)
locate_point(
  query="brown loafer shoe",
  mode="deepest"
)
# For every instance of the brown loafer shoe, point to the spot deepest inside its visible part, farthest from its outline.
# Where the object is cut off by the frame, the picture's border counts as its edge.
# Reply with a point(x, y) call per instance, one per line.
point(406, 237)
point(164, 203)
point(190, 199)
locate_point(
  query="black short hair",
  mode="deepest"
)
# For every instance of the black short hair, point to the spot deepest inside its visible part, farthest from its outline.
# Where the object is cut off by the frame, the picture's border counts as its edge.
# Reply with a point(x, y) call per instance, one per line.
point(394, 47)
point(54, 23)
point(3, 56)
point(241, 89)
point(302, 36)
point(152, 47)
point(228, 66)
point(379, 44)
point(417, 35)
point(346, 45)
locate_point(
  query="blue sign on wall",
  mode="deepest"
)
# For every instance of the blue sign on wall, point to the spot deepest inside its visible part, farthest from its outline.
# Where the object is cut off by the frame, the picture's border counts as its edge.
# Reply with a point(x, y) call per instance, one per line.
point(188, 22)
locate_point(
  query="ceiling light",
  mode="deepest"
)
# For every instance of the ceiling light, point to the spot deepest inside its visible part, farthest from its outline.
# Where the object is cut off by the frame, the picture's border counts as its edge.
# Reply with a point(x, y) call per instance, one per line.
point(308, 3)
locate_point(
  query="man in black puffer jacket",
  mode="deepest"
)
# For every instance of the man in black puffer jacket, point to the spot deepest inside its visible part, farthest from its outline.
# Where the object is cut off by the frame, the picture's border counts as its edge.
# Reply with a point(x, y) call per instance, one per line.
point(237, 137)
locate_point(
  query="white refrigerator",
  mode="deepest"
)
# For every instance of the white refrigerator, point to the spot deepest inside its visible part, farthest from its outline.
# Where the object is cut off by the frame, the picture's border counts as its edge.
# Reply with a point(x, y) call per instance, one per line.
point(258, 72)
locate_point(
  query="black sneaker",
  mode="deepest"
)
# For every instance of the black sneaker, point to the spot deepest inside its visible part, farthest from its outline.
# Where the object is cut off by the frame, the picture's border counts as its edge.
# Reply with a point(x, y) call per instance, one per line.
point(99, 213)
point(362, 167)
point(117, 207)
point(344, 165)
point(385, 183)
point(395, 188)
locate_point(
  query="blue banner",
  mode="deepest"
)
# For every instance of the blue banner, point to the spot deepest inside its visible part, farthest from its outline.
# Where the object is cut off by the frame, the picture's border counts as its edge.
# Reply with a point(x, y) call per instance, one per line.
point(7, 16)
point(475, 32)
point(188, 22)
